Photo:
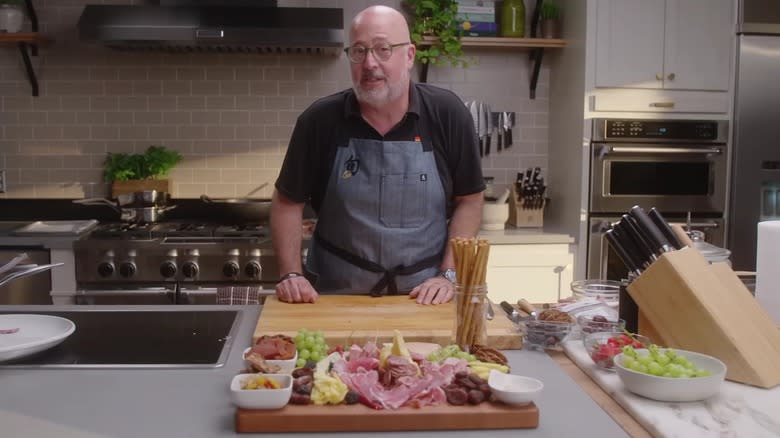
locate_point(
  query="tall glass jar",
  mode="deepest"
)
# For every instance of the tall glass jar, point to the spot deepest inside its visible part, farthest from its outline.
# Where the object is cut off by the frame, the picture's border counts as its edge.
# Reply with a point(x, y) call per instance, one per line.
point(513, 19)
point(471, 303)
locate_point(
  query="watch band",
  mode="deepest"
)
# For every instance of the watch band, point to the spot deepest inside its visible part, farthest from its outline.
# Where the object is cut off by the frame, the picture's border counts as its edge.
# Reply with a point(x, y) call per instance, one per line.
point(449, 274)
point(289, 275)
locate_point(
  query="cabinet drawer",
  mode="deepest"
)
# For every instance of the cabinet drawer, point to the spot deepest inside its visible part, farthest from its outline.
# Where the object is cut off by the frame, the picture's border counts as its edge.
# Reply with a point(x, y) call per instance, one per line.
point(660, 101)
point(529, 255)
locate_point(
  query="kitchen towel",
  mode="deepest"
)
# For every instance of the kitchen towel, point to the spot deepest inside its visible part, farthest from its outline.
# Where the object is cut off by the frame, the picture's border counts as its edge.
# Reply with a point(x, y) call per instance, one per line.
point(768, 268)
point(239, 295)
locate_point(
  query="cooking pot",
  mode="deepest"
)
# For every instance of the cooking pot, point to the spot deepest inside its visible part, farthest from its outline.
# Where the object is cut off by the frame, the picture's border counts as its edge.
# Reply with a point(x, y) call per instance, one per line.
point(144, 214)
point(144, 198)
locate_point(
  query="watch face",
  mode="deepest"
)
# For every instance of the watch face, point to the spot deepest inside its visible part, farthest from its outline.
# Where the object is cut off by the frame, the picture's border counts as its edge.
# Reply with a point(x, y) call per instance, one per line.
point(449, 274)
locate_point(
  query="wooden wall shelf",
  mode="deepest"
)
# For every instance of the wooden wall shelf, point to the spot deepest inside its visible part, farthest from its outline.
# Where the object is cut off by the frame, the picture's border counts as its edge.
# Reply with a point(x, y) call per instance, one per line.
point(7, 39)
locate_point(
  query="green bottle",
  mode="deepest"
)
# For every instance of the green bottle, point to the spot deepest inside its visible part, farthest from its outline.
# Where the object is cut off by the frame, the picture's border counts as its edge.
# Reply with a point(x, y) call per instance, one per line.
point(513, 19)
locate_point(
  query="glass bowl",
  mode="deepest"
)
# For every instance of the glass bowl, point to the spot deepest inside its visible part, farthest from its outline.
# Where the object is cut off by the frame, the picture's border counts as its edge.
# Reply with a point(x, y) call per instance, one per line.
point(546, 334)
point(602, 347)
point(602, 290)
point(599, 323)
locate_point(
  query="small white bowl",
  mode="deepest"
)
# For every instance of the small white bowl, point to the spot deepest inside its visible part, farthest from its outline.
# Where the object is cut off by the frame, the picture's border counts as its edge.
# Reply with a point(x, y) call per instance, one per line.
point(671, 389)
point(287, 366)
point(513, 389)
point(261, 398)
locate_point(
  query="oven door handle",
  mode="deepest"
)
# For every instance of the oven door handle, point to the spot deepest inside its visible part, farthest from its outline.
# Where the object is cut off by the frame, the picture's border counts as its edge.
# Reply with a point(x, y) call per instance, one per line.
point(696, 224)
point(651, 150)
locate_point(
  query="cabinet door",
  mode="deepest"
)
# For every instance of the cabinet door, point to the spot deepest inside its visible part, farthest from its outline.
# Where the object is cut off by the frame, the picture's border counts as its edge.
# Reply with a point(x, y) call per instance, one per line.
point(699, 40)
point(629, 43)
point(540, 273)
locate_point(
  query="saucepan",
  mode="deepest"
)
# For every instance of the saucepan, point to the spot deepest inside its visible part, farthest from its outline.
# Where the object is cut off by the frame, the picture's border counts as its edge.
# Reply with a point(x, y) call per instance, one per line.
point(129, 214)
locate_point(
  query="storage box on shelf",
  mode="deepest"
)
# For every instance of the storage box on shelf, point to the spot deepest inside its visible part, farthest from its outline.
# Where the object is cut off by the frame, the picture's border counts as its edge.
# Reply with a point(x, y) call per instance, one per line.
point(685, 302)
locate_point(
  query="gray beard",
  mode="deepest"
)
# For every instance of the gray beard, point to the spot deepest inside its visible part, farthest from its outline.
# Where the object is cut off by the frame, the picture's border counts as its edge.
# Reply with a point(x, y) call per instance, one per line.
point(382, 96)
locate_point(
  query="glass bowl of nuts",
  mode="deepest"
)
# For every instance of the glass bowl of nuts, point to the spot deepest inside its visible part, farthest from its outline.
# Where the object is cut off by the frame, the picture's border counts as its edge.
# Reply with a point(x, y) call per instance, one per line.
point(550, 328)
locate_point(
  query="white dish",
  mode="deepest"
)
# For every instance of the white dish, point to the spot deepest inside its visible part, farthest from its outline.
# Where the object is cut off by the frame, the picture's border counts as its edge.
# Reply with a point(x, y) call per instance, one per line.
point(261, 398)
point(513, 389)
point(287, 366)
point(36, 333)
point(670, 389)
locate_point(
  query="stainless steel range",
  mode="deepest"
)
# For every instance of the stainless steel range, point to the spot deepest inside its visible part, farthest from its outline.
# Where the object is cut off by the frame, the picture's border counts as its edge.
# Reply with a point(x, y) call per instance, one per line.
point(171, 262)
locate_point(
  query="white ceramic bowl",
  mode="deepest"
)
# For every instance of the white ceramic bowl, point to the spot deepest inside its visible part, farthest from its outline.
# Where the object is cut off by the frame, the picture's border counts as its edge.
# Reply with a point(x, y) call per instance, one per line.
point(287, 366)
point(513, 389)
point(670, 389)
point(261, 398)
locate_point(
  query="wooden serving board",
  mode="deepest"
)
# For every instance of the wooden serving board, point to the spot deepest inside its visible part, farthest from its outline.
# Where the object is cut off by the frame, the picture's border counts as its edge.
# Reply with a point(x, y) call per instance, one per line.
point(355, 418)
point(355, 319)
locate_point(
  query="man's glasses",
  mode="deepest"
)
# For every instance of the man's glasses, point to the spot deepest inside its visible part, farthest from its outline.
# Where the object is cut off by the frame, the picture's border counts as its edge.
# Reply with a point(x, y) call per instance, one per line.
point(382, 52)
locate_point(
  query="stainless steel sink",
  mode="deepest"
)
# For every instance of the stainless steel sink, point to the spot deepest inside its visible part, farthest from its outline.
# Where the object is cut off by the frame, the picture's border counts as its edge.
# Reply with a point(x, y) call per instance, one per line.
point(140, 339)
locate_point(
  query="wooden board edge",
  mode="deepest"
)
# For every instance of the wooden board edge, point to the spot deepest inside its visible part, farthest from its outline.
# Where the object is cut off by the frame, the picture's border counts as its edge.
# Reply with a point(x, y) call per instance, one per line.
point(359, 418)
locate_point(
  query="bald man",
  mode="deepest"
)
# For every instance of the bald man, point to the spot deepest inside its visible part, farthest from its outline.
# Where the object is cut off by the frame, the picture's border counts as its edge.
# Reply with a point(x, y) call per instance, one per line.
point(392, 170)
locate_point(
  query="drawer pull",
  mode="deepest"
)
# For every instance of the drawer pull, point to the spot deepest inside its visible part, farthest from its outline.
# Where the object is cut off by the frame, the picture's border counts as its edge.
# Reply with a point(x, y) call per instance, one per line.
point(662, 104)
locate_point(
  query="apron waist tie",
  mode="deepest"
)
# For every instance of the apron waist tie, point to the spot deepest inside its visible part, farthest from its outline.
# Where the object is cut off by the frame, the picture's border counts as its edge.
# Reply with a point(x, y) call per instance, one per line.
point(388, 279)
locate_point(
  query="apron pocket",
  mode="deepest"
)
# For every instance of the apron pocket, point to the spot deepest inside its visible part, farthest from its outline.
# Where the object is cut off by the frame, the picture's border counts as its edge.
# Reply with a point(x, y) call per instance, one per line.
point(403, 200)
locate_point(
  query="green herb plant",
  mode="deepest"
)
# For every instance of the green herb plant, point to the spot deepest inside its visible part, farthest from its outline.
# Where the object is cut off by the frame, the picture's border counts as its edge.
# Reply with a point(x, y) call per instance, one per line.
point(436, 18)
point(550, 11)
point(155, 163)
point(19, 3)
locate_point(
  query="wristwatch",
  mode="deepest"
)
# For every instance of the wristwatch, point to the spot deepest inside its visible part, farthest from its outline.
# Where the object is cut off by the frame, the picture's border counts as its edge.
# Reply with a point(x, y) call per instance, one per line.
point(449, 274)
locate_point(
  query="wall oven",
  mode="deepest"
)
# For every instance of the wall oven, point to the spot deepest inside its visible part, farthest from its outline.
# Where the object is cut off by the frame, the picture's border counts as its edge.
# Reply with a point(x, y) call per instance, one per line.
point(677, 166)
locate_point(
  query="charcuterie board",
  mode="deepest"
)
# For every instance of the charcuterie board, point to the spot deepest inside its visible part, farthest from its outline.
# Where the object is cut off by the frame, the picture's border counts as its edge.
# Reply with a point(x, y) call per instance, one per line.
point(355, 319)
point(359, 418)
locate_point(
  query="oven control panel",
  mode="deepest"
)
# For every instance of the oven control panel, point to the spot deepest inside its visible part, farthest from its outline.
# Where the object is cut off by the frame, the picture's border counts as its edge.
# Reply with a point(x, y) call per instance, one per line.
point(661, 129)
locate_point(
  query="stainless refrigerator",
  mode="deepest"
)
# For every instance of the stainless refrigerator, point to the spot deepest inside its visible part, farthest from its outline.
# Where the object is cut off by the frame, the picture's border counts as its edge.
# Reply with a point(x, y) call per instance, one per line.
point(755, 184)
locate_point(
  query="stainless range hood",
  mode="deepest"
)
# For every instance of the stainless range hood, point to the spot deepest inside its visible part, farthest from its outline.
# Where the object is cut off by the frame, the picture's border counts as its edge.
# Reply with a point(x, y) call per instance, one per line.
point(210, 28)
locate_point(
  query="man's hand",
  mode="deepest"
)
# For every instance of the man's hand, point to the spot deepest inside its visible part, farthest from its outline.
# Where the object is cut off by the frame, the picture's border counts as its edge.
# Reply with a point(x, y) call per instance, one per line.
point(296, 290)
point(436, 290)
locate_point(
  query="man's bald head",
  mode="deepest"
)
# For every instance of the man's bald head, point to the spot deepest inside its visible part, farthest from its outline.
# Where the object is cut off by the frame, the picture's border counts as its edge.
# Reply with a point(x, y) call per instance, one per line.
point(382, 20)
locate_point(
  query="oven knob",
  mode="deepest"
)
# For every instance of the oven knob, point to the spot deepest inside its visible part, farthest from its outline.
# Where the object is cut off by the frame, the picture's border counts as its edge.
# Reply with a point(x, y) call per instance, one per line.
point(105, 269)
point(253, 269)
point(231, 269)
point(190, 269)
point(168, 269)
point(127, 269)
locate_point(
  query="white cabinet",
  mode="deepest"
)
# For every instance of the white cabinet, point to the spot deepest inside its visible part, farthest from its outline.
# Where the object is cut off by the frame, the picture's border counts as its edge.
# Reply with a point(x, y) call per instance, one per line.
point(664, 44)
point(540, 273)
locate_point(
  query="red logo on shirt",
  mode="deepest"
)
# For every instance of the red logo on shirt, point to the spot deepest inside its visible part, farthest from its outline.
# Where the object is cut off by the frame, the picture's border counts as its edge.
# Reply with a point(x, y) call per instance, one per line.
point(417, 138)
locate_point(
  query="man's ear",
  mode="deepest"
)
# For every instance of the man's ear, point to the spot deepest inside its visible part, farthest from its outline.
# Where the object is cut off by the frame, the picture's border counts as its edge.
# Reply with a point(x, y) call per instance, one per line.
point(410, 54)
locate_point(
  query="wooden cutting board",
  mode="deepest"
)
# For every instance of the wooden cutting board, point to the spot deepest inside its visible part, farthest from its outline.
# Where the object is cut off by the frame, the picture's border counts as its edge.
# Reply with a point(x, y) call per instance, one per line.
point(355, 319)
point(354, 418)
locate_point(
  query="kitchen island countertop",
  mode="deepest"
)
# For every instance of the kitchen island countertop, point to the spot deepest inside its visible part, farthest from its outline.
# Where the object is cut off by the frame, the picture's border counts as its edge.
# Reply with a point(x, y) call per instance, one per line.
point(196, 403)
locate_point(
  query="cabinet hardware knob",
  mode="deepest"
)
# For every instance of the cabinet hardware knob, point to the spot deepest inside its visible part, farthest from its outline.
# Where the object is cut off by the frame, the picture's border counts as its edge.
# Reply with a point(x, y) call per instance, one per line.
point(671, 76)
point(659, 77)
point(662, 104)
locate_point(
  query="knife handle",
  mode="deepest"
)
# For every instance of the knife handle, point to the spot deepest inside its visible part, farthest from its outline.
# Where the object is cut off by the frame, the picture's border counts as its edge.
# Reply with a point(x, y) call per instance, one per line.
point(646, 224)
point(616, 245)
point(526, 307)
point(507, 308)
point(640, 258)
point(662, 225)
point(629, 227)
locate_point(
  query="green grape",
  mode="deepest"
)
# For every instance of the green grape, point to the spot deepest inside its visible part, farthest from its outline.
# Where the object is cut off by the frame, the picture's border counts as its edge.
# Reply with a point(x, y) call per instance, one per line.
point(300, 363)
point(663, 359)
point(315, 356)
point(304, 354)
point(299, 337)
point(310, 342)
point(644, 360)
point(629, 362)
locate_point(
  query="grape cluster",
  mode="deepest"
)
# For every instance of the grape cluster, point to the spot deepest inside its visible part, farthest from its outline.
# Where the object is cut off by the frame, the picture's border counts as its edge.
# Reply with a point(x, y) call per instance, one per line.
point(661, 362)
point(311, 346)
point(450, 351)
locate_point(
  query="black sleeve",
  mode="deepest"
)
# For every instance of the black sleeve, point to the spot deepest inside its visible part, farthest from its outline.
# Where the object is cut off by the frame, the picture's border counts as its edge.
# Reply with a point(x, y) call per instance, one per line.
point(462, 147)
point(295, 176)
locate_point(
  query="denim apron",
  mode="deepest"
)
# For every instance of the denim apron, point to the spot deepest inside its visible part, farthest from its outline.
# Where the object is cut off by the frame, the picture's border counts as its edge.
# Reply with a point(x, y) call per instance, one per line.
point(382, 227)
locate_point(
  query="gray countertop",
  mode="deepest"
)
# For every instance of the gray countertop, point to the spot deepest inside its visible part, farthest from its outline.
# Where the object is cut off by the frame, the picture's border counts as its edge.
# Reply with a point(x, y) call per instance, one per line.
point(195, 403)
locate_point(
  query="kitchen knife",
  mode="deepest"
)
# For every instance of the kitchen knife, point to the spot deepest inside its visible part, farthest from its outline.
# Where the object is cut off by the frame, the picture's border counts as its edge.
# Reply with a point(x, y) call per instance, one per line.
point(527, 307)
point(638, 256)
point(651, 231)
point(489, 128)
point(616, 245)
point(510, 122)
point(661, 223)
point(474, 110)
point(629, 227)
point(500, 134)
point(511, 313)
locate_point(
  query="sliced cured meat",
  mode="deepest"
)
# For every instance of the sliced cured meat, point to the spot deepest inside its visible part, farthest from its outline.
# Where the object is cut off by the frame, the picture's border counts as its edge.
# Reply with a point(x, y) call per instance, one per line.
point(275, 347)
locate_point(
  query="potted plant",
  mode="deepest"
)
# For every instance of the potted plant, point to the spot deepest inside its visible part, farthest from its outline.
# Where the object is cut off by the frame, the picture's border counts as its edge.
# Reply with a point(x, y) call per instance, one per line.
point(11, 15)
point(550, 20)
point(136, 172)
point(435, 18)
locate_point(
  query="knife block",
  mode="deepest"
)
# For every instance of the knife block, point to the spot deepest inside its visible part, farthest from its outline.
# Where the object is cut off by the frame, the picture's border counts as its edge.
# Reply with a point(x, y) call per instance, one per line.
point(685, 302)
point(520, 217)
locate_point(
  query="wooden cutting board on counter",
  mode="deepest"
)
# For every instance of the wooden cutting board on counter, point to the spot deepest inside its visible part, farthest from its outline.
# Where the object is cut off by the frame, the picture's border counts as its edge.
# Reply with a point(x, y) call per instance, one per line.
point(355, 319)
point(354, 418)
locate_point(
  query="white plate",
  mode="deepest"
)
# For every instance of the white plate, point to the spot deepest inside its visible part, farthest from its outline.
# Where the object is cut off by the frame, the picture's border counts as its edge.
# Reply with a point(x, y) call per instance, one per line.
point(36, 333)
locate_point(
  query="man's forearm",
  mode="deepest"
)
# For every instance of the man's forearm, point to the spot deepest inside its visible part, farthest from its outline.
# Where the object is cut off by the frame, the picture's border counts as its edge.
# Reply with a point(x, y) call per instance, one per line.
point(464, 223)
point(287, 232)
